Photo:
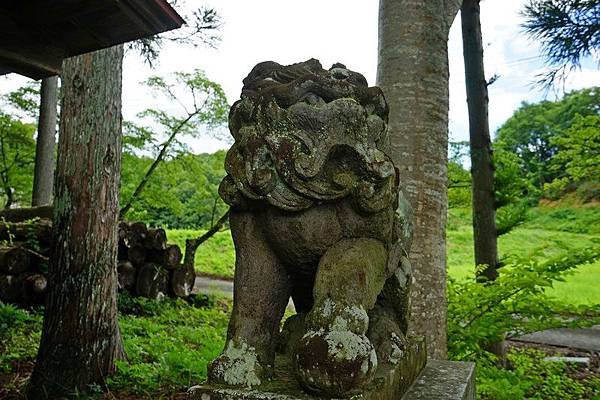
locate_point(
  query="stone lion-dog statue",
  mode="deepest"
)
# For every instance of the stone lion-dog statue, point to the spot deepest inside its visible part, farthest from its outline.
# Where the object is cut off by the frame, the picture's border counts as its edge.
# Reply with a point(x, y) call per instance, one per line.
point(316, 215)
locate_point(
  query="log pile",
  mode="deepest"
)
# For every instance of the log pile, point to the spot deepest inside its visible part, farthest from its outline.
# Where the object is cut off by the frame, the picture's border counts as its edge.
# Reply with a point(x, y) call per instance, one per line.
point(147, 265)
point(24, 256)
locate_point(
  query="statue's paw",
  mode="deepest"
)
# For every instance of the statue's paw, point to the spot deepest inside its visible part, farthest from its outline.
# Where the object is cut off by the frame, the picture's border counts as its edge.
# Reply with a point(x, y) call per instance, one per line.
point(335, 363)
point(238, 365)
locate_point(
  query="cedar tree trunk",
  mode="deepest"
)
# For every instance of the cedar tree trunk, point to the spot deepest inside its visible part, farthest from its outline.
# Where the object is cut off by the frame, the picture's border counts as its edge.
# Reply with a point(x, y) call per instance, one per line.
point(482, 165)
point(80, 337)
point(413, 73)
point(43, 176)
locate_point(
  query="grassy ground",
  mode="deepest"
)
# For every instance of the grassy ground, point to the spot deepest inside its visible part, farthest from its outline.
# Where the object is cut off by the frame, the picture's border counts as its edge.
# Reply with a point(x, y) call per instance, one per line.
point(168, 346)
point(169, 343)
point(549, 230)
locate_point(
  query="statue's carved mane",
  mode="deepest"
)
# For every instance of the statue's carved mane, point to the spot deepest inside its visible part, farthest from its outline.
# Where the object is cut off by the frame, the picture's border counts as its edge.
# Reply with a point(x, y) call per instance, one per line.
point(306, 135)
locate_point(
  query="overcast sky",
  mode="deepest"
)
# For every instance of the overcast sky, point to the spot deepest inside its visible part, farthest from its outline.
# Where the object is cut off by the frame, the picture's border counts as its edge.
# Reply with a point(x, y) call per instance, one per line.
point(345, 31)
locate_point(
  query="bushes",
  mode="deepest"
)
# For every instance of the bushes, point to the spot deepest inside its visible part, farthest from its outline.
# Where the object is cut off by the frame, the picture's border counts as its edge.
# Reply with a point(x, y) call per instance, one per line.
point(513, 304)
point(530, 377)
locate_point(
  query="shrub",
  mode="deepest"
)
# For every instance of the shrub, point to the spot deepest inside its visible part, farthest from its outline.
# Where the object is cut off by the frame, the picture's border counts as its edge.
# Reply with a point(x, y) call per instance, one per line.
point(514, 304)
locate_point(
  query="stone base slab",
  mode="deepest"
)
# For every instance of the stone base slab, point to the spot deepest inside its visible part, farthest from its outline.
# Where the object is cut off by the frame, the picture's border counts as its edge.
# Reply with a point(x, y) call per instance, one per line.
point(444, 380)
point(390, 382)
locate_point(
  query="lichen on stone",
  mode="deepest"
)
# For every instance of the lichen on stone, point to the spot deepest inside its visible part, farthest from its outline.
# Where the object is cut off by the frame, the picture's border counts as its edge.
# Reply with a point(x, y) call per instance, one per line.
point(238, 365)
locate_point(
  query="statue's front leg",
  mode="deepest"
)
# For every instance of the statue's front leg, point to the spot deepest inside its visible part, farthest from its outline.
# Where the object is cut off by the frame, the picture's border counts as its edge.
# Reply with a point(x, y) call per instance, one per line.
point(335, 357)
point(261, 293)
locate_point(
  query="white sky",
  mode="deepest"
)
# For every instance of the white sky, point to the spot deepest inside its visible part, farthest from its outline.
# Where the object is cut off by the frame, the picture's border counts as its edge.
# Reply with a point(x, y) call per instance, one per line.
point(343, 31)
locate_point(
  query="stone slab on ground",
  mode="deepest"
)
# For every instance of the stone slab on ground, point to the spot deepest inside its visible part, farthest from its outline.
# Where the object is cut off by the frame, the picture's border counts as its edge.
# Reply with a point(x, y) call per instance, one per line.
point(571, 360)
point(583, 339)
point(444, 380)
point(390, 382)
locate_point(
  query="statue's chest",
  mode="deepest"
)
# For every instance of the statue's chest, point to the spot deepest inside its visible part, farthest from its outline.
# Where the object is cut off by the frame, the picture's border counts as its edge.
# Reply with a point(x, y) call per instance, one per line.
point(301, 238)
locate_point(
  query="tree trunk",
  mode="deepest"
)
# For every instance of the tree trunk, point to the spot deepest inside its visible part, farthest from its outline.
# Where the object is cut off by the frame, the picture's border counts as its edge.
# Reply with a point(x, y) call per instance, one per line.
point(43, 176)
point(482, 165)
point(80, 336)
point(413, 73)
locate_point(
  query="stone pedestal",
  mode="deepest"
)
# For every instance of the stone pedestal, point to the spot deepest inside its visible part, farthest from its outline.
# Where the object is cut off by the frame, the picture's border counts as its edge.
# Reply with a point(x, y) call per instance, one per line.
point(390, 382)
point(439, 380)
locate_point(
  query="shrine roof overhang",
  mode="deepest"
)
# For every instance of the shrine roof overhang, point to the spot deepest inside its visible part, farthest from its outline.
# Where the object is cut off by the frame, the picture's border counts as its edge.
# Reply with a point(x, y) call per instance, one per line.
point(36, 35)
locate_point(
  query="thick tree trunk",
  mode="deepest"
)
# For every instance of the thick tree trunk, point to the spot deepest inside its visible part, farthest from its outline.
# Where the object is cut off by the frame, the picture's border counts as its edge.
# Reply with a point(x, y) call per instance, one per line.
point(43, 176)
point(482, 165)
point(80, 337)
point(413, 73)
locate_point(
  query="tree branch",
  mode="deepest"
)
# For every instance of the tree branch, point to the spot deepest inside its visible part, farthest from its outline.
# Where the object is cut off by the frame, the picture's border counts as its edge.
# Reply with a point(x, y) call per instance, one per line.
point(191, 245)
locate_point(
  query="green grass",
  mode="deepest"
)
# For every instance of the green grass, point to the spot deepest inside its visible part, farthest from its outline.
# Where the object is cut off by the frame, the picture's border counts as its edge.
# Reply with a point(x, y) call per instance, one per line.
point(531, 241)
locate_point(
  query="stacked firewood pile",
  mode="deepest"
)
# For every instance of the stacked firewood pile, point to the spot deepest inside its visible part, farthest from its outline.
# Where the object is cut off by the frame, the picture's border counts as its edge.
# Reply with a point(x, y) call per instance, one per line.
point(147, 266)
point(24, 252)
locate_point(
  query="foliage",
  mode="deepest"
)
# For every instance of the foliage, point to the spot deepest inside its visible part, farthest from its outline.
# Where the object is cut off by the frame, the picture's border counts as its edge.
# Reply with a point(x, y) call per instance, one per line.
point(509, 183)
point(459, 185)
point(182, 193)
point(17, 157)
point(530, 377)
point(25, 101)
point(513, 304)
point(533, 134)
point(568, 31)
point(510, 216)
point(203, 109)
point(19, 335)
point(578, 157)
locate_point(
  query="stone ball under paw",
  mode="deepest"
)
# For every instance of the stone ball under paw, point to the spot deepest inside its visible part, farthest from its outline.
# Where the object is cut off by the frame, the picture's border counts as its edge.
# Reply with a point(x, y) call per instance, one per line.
point(334, 363)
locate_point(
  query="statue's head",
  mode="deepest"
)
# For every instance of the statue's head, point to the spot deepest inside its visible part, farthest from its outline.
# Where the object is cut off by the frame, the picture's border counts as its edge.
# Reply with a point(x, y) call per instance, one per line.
point(305, 135)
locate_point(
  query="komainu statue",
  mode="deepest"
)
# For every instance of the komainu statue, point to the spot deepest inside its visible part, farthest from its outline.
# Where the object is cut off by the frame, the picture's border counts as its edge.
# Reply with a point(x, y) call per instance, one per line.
point(316, 215)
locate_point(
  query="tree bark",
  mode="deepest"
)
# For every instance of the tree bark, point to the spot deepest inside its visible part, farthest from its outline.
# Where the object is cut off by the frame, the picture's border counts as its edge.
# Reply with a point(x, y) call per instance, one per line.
point(43, 176)
point(482, 164)
point(80, 336)
point(413, 73)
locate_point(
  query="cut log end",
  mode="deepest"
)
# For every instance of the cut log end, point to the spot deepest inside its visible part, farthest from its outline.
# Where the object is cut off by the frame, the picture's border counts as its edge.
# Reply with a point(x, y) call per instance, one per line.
point(14, 260)
point(127, 275)
point(182, 281)
point(152, 281)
